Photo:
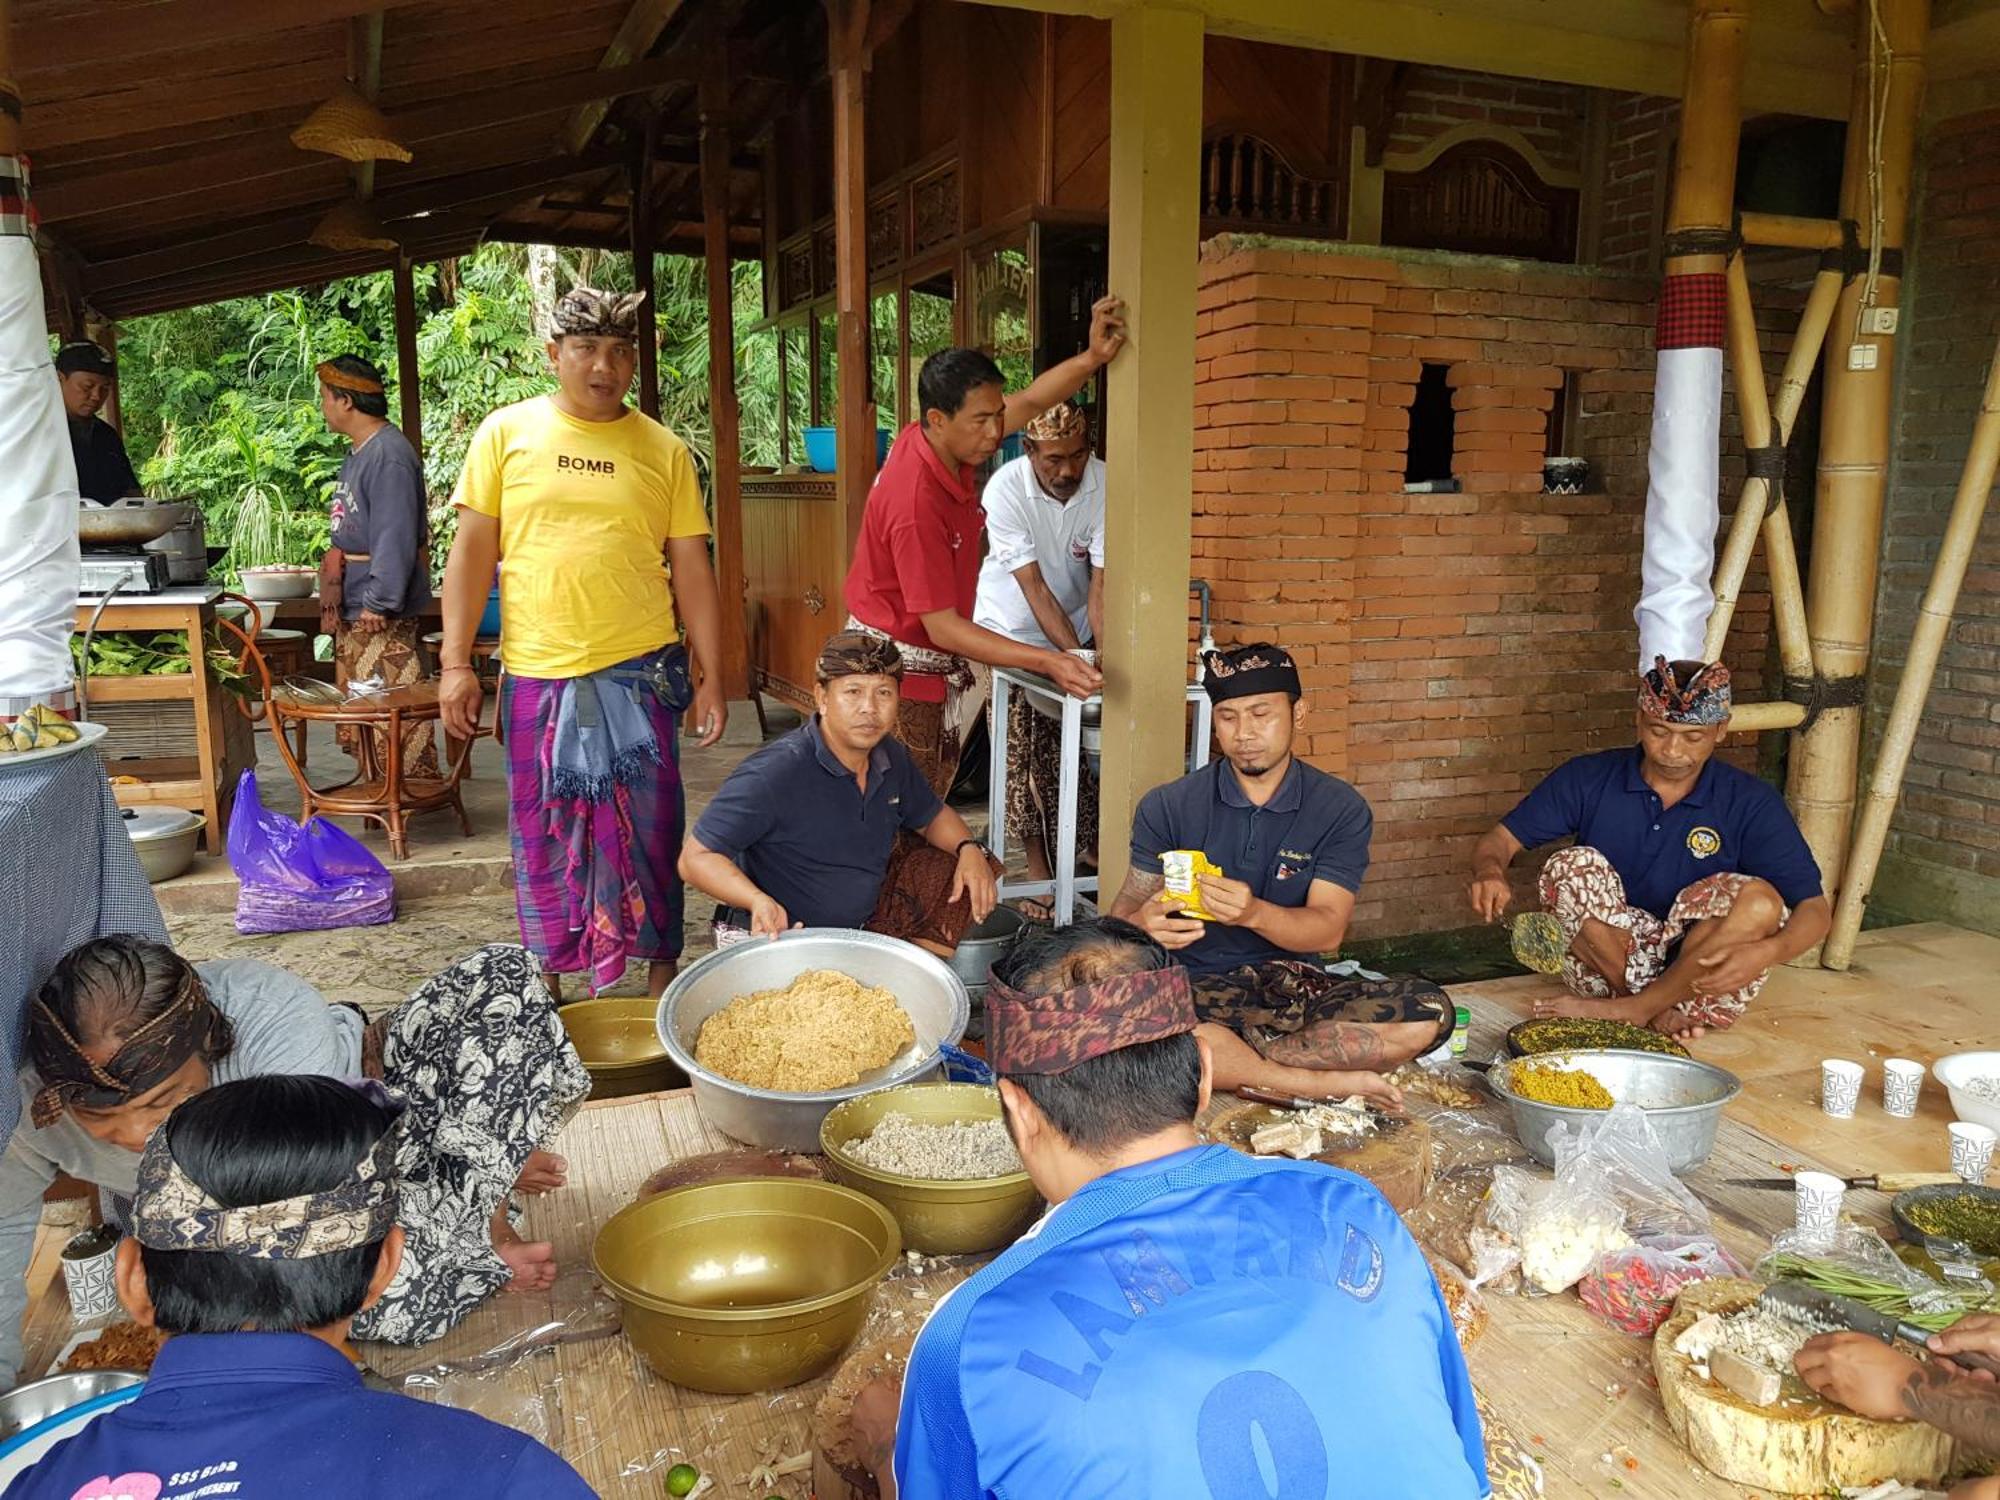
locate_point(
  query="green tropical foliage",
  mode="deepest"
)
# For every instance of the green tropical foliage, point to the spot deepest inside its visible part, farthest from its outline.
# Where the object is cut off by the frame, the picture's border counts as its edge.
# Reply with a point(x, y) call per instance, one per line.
point(220, 403)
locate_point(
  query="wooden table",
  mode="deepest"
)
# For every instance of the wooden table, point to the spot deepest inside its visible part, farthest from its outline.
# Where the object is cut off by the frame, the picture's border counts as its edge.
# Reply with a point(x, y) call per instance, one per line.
point(221, 743)
point(380, 793)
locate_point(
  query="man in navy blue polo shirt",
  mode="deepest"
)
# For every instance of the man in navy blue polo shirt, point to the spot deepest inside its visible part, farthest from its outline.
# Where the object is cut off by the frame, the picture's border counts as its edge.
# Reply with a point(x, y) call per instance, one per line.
point(1688, 880)
point(804, 832)
point(264, 1221)
point(1292, 844)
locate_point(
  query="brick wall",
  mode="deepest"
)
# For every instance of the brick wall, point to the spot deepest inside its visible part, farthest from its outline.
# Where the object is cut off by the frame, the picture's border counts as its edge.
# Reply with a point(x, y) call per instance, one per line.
point(1457, 646)
point(1433, 100)
point(1943, 856)
point(1637, 159)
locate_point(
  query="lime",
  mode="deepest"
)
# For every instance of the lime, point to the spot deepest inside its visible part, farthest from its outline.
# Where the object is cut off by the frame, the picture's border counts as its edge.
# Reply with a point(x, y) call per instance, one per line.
point(681, 1480)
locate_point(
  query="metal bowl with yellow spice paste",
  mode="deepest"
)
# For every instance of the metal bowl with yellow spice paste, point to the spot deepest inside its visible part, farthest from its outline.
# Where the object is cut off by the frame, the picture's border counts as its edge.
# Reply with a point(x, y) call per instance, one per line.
point(1682, 1098)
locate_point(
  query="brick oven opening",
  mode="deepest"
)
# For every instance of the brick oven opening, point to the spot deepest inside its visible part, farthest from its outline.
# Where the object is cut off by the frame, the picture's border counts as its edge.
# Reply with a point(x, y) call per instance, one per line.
point(1432, 424)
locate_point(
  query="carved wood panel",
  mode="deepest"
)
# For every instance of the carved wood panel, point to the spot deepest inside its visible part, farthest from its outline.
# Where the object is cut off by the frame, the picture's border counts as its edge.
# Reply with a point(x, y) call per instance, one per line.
point(826, 261)
point(795, 272)
point(885, 230)
point(934, 209)
point(1482, 198)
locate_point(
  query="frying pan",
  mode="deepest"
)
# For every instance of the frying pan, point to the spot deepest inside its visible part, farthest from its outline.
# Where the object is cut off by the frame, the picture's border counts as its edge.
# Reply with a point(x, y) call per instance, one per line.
point(128, 523)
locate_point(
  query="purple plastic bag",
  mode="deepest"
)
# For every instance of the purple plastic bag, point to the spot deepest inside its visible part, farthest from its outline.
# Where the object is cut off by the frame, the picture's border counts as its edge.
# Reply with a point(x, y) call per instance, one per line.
point(302, 879)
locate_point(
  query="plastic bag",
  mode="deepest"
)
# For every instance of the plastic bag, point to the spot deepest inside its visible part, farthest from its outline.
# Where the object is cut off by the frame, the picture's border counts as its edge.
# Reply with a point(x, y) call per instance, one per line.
point(1461, 1300)
point(1557, 1229)
point(298, 879)
point(1621, 1158)
point(1860, 1264)
point(1634, 1289)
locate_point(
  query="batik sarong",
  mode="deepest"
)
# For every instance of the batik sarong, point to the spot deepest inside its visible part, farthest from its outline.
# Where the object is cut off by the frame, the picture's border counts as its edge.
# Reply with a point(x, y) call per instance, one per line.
point(1286, 1008)
point(394, 655)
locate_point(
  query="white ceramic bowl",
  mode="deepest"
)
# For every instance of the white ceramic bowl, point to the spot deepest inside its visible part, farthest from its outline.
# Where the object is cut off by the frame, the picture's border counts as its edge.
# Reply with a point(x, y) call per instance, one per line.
point(271, 584)
point(1959, 1069)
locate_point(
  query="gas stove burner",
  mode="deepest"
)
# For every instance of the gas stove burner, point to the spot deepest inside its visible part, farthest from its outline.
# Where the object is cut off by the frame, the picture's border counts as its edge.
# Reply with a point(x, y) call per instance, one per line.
point(127, 570)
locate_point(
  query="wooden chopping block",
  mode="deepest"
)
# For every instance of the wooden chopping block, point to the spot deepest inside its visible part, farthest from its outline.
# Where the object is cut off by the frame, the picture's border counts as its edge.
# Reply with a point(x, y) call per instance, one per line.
point(1398, 1158)
point(1802, 1447)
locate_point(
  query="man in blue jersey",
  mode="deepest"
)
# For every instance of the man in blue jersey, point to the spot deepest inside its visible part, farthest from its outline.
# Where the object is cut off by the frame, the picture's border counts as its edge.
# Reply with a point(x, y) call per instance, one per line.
point(1688, 881)
point(1187, 1321)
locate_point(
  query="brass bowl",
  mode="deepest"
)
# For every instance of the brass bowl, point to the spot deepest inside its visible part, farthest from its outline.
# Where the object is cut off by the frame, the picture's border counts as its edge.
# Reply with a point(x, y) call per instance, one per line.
point(748, 1284)
point(937, 1217)
point(621, 1049)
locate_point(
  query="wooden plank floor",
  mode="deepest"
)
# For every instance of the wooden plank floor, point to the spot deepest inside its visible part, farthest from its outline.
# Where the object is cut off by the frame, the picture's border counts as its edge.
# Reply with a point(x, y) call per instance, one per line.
point(1553, 1372)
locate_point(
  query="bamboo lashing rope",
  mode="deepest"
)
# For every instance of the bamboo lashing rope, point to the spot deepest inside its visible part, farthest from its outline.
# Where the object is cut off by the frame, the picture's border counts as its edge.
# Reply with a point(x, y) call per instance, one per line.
point(1961, 535)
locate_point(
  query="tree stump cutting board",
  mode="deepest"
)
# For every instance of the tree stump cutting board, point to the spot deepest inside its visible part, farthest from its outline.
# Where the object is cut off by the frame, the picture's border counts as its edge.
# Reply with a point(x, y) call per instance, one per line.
point(1397, 1157)
point(1802, 1446)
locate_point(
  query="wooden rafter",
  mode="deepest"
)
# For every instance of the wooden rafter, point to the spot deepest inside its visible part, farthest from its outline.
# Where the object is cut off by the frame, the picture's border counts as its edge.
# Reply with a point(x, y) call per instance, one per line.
point(62, 41)
point(641, 28)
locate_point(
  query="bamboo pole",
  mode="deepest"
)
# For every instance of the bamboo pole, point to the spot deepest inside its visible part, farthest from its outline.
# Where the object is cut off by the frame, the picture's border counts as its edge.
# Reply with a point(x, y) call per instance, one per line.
point(1704, 191)
point(1961, 534)
point(1755, 506)
point(1790, 232)
point(1751, 718)
point(1854, 445)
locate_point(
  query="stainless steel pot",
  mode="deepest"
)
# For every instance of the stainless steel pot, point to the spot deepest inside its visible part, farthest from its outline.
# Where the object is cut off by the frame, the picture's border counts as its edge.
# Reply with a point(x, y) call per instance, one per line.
point(165, 839)
point(982, 944)
point(921, 982)
point(1683, 1100)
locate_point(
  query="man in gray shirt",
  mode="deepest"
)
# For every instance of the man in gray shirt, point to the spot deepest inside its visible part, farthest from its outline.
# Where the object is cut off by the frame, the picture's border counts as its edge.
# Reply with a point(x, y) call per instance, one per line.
point(375, 580)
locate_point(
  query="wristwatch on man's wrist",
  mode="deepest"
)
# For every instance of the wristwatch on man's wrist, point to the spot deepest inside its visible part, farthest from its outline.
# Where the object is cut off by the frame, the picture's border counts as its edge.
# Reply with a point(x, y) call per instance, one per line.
point(965, 844)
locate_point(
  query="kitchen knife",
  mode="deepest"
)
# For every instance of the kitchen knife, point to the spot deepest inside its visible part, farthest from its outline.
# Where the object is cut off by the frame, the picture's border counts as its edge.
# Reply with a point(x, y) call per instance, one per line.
point(1795, 1300)
point(1887, 1182)
point(1286, 1101)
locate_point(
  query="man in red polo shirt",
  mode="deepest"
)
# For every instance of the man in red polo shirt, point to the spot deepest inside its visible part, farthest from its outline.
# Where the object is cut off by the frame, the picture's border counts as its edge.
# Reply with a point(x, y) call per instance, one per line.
point(915, 575)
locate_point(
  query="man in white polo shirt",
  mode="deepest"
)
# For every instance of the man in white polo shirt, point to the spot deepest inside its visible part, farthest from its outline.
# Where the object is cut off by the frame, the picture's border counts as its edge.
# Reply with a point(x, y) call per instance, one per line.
point(1042, 583)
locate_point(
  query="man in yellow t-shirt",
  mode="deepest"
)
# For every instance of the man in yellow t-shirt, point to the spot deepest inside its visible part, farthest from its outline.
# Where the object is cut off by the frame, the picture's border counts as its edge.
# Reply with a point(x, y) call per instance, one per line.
point(593, 516)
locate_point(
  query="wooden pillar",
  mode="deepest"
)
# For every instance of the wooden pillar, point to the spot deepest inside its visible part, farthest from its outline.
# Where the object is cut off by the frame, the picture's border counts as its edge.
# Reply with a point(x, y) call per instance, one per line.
point(641, 193)
point(1854, 441)
point(409, 383)
point(1156, 68)
point(725, 475)
point(854, 420)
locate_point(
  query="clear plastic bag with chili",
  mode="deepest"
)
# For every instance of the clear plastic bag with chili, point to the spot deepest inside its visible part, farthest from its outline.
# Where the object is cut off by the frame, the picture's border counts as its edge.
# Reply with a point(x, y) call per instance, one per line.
point(1634, 1289)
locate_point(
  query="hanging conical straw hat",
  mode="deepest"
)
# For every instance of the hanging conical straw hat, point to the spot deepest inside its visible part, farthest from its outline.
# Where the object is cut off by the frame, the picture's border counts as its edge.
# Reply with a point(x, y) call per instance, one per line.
point(349, 127)
point(351, 225)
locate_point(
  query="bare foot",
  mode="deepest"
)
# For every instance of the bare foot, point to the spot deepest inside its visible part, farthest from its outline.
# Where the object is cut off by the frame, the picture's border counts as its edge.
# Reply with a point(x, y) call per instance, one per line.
point(544, 1172)
point(533, 1262)
point(1677, 1023)
point(1581, 1007)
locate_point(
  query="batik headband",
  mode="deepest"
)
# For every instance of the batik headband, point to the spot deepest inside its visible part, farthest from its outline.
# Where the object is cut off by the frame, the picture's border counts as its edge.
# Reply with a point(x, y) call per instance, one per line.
point(1703, 698)
point(341, 380)
point(1053, 1033)
point(586, 312)
point(854, 653)
point(189, 1025)
point(173, 1212)
point(1247, 671)
point(1058, 424)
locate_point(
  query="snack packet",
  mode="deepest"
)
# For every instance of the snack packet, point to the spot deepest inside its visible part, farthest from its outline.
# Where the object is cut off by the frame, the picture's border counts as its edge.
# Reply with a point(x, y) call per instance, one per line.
point(1183, 869)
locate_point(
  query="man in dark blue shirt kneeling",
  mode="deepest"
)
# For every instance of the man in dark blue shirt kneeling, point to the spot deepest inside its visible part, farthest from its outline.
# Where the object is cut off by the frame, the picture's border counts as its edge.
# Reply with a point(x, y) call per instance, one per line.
point(1688, 880)
point(265, 1220)
point(834, 825)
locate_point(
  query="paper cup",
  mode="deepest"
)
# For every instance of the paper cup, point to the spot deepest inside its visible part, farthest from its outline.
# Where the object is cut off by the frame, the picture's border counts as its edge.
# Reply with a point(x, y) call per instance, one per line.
point(1818, 1207)
point(88, 1275)
point(1902, 1081)
point(1971, 1150)
point(1839, 1087)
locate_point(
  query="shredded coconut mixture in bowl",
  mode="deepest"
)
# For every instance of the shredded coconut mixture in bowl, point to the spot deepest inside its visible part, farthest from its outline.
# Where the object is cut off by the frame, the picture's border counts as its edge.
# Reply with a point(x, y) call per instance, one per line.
point(960, 1152)
point(822, 1031)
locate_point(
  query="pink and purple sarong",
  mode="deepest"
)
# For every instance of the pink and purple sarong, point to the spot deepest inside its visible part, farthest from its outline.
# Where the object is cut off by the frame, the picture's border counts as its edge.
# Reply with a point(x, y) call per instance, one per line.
point(595, 877)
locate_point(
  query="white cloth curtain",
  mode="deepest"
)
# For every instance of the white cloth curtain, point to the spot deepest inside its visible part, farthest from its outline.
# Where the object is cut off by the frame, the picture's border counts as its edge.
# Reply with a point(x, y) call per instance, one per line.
point(1682, 507)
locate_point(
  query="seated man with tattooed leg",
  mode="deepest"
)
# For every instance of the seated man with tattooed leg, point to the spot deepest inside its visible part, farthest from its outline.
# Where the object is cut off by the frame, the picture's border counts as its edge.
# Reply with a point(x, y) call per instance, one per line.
point(1292, 843)
point(1187, 1320)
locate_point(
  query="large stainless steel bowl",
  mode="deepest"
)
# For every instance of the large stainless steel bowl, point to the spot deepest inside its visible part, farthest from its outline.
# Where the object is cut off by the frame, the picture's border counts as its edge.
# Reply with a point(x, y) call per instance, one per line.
point(34, 1403)
point(128, 523)
point(1682, 1098)
point(921, 982)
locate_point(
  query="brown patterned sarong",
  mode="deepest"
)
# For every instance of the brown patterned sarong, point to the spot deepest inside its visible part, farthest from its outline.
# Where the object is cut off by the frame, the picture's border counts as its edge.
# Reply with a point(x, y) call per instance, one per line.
point(1265, 1003)
point(1034, 781)
point(394, 654)
point(935, 748)
point(915, 903)
point(1579, 883)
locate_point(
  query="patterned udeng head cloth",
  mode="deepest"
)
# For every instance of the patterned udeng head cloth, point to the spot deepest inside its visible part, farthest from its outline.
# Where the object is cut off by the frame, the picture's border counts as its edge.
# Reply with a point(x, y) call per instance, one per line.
point(1245, 671)
point(1058, 424)
point(1053, 1033)
point(190, 1025)
point(855, 653)
point(1685, 692)
point(589, 313)
point(173, 1212)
